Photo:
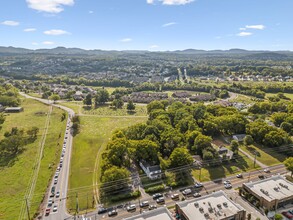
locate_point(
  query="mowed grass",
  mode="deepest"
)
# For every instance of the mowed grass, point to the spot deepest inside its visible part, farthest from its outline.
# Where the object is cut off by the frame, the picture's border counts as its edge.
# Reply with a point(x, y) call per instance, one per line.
point(267, 156)
point(16, 176)
point(75, 106)
point(242, 164)
point(93, 137)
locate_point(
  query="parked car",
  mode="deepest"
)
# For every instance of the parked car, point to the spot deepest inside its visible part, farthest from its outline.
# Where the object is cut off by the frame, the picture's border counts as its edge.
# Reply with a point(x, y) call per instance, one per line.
point(261, 176)
point(239, 175)
point(198, 185)
point(196, 195)
point(112, 213)
point(144, 204)
point(55, 181)
point(175, 196)
point(50, 202)
point(227, 182)
point(228, 186)
point(151, 207)
point(131, 207)
point(160, 200)
point(186, 192)
point(267, 170)
point(47, 212)
point(157, 195)
point(287, 215)
point(102, 210)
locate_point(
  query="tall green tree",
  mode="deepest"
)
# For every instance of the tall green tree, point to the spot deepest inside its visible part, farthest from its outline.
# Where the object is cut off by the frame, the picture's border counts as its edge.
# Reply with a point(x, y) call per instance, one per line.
point(88, 100)
point(180, 157)
point(130, 106)
point(101, 97)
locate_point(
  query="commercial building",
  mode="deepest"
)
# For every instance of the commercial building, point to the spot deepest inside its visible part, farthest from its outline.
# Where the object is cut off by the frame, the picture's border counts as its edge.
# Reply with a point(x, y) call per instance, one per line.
point(270, 193)
point(213, 206)
point(161, 213)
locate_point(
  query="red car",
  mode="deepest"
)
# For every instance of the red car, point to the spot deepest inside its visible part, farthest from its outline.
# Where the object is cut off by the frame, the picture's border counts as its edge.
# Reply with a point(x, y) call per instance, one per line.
point(288, 215)
point(47, 212)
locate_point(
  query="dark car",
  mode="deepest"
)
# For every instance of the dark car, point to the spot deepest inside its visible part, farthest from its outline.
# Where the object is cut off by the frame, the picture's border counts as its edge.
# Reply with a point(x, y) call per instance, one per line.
point(112, 213)
point(102, 210)
point(157, 195)
point(160, 200)
point(198, 185)
point(47, 212)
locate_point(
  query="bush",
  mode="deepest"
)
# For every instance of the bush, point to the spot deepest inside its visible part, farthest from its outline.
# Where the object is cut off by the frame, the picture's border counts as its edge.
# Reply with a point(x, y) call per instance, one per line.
point(155, 189)
point(132, 195)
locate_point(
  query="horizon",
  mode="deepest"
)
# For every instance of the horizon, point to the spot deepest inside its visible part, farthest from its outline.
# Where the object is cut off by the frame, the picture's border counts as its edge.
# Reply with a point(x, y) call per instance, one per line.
point(148, 25)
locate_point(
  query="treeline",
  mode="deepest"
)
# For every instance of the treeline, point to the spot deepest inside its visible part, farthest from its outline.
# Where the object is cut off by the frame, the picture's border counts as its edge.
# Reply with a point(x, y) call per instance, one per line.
point(8, 94)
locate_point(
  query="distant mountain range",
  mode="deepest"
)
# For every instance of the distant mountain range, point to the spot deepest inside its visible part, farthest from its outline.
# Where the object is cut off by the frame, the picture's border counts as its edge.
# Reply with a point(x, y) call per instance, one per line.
point(78, 51)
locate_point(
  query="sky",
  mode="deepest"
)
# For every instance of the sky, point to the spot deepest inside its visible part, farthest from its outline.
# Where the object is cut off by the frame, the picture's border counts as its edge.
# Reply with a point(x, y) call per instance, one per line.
point(155, 25)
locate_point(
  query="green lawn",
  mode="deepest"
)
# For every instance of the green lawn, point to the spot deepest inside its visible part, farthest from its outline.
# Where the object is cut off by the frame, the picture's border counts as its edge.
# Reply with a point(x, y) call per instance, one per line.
point(94, 134)
point(265, 155)
point(243, 164)
point(289, 95)
point(75, 106)
point(243, 98)
point(37, 95)
point(15, 177)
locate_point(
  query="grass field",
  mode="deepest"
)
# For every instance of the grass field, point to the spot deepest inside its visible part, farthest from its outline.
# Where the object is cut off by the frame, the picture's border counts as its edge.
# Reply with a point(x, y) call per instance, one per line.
point(75, 106)
point(266, 156)
point(243, 164)
point(243, 98)
point(87, 146)
point(15, 178)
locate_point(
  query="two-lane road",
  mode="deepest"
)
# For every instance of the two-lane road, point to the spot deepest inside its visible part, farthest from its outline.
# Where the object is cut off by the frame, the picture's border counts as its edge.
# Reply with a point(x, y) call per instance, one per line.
point(63, 177)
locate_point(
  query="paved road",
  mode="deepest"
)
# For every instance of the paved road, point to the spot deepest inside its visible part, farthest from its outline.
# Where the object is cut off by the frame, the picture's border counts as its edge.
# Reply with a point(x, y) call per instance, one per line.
point(62, 184)
point(209, 187)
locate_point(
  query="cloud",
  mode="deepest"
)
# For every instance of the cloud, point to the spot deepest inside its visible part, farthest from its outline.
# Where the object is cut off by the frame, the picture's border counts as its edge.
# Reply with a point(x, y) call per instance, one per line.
point(35, 43)
point(10, 23)
point(125, 40)
point(169, 24)
point(56, 32)
point(91, 12)
point(154, 46)
point(50, 6)
point(244, 34)
point(29, 29)
point(48, 43)
point(256, 27)
point(171, 2)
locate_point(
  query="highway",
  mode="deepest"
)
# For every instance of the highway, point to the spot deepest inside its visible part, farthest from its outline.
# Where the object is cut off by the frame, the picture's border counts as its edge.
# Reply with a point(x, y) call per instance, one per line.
point(63, 177)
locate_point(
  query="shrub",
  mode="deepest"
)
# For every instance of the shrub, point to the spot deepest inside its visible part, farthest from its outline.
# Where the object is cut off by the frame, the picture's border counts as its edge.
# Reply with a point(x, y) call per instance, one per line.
point(132, 195)
point(155, 189)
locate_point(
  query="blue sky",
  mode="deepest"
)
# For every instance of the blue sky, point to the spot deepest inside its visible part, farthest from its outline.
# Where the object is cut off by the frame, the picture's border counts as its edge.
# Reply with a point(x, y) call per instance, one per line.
point(147, 24)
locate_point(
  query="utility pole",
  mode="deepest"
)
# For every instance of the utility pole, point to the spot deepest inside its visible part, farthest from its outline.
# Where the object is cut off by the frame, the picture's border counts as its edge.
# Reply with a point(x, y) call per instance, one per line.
point(77, 206)
point(254, 159)
point(199, 173)
point(27, 208)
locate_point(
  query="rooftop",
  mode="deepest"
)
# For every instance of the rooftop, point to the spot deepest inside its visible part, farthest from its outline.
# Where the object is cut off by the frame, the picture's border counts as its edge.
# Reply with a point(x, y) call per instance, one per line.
point(161, 213)
point(275, 187)
point(213, 206)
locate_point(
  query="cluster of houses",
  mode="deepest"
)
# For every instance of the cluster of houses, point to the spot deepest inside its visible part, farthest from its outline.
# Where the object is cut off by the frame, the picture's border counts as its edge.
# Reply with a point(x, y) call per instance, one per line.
point(145, 97)
point(78, 92)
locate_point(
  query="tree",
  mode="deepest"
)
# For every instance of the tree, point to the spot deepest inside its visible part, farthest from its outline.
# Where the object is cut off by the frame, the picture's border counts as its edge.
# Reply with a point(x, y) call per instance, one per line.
point(180, 157)
point(235, 146)
point(114, 178)
point(130, 106)
point(201, 142)
point(118, 103)
point(289, 164)
point(248, 140)
point(146, 150)
point(276, 138)
point(101, 97)
point(278, 216)
point(288, 127)
point(55, 97)
point(33, 132)
point(155, 105)
point(88, 100)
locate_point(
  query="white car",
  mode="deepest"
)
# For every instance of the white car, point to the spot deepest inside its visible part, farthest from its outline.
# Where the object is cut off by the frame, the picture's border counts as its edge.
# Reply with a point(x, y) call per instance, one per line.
point(50, 202)
point(227, 182)
point(131, 207)
point(267, 170)
point(57, 194)
point(55, 208)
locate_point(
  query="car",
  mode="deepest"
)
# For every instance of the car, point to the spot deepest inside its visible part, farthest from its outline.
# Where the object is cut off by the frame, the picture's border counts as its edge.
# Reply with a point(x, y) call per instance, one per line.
point(144, 204)
point(157, 195)
point(47, 212)
point(198, 185)
point(261, 176)
point(131, 207)
point(267, 170)
point(186, 192)
point(57, 194)
point(291, 211)
point(58, 169)
point(60, 164)
point(160, 200)
point(196, 195)
point(50, 202)
point(102, 210)
point(228, 186)
point(53, 189)
point(151, 207)
point(227, 182)
point(239, 175)
point(287, 215)
point(175, 196)
point(55, 208)
point(112, 213)
point(55, 181)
